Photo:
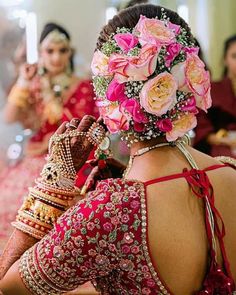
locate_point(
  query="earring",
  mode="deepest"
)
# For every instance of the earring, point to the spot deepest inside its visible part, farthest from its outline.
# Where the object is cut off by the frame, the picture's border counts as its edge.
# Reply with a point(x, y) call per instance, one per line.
point(42, 71)
point(103, 150)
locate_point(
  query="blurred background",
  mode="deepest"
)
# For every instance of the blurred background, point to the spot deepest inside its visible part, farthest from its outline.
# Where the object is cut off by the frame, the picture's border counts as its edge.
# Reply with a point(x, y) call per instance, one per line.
point(212, 21)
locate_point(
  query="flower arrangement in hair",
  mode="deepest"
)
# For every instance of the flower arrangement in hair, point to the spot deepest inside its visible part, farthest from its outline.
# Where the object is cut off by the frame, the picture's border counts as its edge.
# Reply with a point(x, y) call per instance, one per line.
point(149, 81)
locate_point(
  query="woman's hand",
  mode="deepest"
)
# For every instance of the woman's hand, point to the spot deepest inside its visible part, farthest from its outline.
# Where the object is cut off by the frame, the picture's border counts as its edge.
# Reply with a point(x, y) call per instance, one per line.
point(80, 146)
point(221, 140)
point(103, 169)
point(27, 71)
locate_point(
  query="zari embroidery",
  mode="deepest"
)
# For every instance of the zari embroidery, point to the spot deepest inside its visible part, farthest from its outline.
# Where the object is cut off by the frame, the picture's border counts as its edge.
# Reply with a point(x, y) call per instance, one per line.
point(102, 239)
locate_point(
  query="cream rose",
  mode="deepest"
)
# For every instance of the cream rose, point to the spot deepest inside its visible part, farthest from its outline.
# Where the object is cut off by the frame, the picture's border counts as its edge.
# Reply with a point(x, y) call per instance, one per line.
point(99, 64)
point(154, 31)
point(192, 77)
point(135, 68)
point(181, 126)
point(158, 95)
point(114, 118)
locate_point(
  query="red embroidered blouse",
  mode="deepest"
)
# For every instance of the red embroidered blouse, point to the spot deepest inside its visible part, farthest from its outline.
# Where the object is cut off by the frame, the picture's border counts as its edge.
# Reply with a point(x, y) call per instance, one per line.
point(104, 239)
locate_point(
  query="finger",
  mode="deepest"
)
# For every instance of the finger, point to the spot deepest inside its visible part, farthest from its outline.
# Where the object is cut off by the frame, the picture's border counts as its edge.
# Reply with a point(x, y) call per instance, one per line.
point(92, 162)
point(73, 124)
point(86, 123)
point(101, 122)
point(92, 178)
point(62, 128)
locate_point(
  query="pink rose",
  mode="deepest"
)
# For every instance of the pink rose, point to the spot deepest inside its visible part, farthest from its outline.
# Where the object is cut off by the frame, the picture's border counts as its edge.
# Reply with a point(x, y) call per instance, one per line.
point(99, 64)
point(192, 77)
point(114, 119)
point(134, 68)
point(204, 102)
point(174, 28)
point(172, 51)
point(126, 41)
point(139, 127)
point(190, 105)
point(164, 125)
point(191, 50)
point(153, 31)
point(116, 91)
point(158, 95)
point(133, 107)
point(181, 126)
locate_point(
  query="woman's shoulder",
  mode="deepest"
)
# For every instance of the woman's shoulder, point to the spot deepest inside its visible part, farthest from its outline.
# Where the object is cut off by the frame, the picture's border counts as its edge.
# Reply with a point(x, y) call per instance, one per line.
point(208, 163)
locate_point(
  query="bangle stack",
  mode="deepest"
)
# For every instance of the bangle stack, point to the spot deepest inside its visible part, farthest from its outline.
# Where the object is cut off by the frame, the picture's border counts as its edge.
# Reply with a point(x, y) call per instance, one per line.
point(55, 189)
point(19, 96)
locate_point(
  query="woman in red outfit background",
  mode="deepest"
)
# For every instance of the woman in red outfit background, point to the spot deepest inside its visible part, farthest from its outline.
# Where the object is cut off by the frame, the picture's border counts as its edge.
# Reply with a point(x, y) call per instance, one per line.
point(216, 130)
point(44, 96)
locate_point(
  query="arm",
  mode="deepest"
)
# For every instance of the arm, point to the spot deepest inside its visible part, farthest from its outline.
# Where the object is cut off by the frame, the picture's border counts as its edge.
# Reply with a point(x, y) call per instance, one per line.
point(18, 243)
point(12, 283)
point(35, 217)
point(17, 107)
point(75, 251)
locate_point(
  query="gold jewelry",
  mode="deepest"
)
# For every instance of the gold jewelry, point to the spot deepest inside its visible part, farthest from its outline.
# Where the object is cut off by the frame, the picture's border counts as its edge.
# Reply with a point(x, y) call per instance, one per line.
point(72, 126)
point(47, 198)
point(19, 96)
point(142, 151)
point(55, 37)
point(96, 134)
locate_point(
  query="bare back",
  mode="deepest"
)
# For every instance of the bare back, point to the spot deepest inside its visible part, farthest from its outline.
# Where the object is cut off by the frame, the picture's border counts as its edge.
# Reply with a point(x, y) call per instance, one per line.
point(176, 224)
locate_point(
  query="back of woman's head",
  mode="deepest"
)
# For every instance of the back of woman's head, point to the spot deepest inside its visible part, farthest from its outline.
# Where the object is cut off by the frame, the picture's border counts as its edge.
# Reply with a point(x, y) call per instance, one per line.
point(148, 78)
point(129, 17)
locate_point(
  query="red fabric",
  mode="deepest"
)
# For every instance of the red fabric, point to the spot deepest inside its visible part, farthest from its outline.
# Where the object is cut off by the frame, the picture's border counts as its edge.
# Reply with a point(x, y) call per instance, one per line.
point(79, 103)
point(104, 239)
point(222, 115)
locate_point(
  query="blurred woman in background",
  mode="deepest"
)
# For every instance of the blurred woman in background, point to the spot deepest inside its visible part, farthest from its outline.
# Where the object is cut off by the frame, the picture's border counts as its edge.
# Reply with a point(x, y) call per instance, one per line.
point(216, 130)
point(43, 97)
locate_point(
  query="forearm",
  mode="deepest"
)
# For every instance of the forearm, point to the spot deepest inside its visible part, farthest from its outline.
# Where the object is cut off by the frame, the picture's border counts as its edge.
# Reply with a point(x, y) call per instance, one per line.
point(12, 283)
point(18, 243)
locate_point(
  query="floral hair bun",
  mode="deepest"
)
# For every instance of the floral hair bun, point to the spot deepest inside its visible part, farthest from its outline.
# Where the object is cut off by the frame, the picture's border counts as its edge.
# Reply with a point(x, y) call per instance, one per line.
point(149, 81)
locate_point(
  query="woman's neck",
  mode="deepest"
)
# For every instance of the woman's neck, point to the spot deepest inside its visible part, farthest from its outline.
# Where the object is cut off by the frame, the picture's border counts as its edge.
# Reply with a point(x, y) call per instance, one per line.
point(143, 144)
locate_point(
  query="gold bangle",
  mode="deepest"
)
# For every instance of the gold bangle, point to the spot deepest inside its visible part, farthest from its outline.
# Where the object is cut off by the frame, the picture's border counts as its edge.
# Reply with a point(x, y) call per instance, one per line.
point(48, 198)
point(28, 230)
point(26, 215)
point(19, 96)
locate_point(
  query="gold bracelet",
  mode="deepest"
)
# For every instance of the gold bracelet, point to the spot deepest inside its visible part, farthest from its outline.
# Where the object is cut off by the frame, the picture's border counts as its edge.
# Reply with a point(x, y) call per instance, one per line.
point(28, 230)
point(19, 96)
point(48, 198)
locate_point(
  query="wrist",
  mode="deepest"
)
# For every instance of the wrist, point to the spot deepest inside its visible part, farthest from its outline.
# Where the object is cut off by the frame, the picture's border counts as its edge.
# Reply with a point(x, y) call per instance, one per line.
point(22, 82)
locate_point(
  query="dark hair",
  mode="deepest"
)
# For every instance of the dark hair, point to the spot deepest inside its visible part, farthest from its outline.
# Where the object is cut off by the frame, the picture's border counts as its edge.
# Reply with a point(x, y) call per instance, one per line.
point(227, 44)
point(50, 27)
point(129, 18)
point(132, 3)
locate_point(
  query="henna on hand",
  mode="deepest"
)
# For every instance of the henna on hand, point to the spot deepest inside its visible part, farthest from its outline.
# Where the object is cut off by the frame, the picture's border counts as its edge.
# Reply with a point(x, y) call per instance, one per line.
point(17, 244)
